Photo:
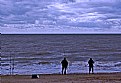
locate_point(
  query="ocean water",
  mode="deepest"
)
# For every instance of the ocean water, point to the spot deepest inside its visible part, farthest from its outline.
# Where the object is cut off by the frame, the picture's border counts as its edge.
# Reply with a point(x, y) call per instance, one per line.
point(42, 54)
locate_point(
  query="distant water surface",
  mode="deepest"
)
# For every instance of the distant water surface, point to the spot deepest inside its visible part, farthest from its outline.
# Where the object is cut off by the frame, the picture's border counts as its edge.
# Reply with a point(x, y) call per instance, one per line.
point(42, 54)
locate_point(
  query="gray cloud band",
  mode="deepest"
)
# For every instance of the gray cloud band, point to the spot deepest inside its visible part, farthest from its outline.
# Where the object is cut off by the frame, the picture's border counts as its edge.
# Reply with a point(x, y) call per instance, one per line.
point(103, 14)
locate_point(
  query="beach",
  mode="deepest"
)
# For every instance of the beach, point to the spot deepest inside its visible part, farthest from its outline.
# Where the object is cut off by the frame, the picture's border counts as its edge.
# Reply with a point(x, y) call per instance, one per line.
point(69, 78)
point(24, 55)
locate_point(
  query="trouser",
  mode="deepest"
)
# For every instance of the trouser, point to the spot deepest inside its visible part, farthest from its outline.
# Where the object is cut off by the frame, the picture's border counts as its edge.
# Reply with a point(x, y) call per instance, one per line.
point(64, 70)
point(90, 68)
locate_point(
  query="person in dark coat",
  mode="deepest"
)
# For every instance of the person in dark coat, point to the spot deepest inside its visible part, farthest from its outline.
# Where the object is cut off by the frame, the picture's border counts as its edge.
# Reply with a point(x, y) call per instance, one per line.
point(64, 63)
point(90, 62)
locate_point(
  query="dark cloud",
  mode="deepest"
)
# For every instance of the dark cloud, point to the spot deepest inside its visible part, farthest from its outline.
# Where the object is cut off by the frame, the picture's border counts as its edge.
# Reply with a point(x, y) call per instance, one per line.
point(103, 14)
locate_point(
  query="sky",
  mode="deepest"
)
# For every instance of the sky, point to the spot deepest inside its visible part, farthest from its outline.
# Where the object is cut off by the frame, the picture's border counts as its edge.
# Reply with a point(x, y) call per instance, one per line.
point(60, 16)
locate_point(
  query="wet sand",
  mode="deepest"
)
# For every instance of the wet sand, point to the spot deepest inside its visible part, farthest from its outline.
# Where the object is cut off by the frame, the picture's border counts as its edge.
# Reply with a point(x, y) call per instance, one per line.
point(70, 78)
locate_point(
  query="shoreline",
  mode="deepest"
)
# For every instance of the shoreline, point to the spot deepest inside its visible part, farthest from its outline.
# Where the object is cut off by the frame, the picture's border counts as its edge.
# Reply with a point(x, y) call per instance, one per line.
point(66, 74)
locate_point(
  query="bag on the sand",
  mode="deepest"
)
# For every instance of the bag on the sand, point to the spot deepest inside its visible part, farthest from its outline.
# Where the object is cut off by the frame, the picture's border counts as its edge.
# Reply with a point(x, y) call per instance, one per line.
point(35, 76)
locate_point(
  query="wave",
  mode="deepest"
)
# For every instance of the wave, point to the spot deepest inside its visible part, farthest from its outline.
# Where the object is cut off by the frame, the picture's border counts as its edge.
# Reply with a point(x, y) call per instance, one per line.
point(44, 62)
point(97, 64)
point(108, 64)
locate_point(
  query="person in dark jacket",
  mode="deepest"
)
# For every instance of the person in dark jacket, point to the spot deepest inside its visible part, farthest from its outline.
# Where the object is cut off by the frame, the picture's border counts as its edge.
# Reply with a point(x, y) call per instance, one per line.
point(64, 63)
point(90, 62)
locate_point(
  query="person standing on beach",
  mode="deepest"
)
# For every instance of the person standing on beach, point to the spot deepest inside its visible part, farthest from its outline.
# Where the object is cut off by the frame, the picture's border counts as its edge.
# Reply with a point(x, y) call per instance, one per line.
point(90, 62)
point(64, 63)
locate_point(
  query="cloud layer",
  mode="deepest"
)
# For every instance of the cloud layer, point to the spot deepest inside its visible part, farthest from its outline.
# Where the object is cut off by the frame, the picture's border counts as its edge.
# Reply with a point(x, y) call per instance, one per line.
point(55, 16)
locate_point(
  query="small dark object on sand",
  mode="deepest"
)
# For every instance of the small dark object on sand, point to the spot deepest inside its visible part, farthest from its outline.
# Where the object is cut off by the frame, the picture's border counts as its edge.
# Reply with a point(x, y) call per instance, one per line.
point(35, 76)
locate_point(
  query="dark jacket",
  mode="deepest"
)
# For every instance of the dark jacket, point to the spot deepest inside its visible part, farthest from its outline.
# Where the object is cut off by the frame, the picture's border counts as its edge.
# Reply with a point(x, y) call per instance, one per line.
point(90, 62)
point(64, 63)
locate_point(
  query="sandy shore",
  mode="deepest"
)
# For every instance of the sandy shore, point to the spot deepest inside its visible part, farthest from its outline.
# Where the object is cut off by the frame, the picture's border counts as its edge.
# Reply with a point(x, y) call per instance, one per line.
point(70, 78)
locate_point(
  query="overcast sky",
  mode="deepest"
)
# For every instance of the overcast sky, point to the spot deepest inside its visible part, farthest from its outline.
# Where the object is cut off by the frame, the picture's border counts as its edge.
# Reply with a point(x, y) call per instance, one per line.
point(61, 16)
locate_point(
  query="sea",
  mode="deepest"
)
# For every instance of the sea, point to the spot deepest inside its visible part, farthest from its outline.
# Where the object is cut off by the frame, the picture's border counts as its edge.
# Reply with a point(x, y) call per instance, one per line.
point(27, 54)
